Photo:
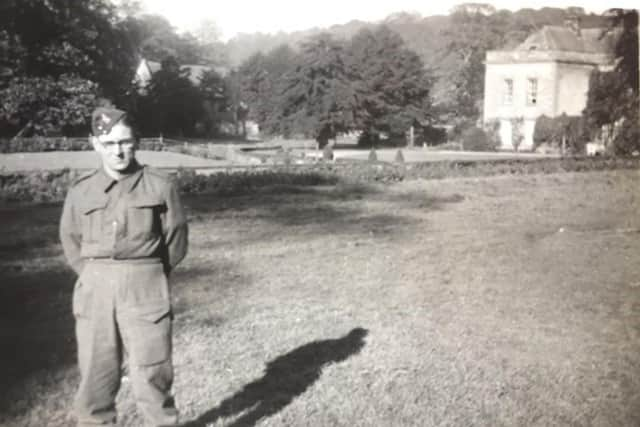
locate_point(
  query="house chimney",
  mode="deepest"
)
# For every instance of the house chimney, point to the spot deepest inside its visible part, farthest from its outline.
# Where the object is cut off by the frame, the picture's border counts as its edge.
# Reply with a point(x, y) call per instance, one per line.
point(573, 23)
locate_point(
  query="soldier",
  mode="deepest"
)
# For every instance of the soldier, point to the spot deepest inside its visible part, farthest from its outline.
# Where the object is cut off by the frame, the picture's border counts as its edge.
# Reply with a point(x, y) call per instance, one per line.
point(123, 230)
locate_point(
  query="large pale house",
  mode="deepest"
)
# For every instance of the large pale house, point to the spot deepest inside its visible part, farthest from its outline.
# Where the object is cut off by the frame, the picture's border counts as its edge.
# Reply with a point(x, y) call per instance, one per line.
point(548, 74)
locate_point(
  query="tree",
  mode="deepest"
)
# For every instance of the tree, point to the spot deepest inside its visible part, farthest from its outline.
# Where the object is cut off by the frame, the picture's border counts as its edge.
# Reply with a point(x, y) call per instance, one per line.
point(613, 98)
point(474, 8)
point(392, 84)
point(262, 85)
point(56, 37)
point(172, 105)
point(318, 97)
point(214, 91)
point(56, 57)
point(212, 49)
point(157, 40)
point(475, 29)
point(46, 106)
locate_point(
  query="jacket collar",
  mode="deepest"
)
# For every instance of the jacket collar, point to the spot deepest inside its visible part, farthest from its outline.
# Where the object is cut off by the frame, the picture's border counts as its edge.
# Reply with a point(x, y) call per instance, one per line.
point(129, 181)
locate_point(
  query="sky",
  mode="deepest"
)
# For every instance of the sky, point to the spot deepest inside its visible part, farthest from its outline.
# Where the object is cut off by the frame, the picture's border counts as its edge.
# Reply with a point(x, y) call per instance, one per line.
point(270, 16)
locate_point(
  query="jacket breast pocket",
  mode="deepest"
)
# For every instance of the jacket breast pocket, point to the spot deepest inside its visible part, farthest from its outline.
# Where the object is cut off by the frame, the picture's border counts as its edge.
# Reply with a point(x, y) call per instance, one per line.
point(92, 220)
point(143, 216)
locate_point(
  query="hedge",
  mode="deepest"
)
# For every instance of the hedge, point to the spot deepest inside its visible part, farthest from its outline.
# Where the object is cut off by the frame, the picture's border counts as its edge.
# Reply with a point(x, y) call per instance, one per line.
point(51, 186)
point(36, 145)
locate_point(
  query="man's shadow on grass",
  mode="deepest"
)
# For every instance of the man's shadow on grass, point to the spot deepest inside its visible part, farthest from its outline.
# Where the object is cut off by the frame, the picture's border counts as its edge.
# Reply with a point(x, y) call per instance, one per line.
point(286, 377)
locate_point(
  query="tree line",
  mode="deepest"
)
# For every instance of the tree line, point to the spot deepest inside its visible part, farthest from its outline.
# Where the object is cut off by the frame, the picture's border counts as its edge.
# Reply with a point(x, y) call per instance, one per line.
point(61, 58)
point(371, 83)
point(58, 58)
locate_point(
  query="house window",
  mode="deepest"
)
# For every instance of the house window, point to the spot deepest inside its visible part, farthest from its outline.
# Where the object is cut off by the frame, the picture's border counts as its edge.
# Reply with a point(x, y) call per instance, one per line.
point(507, 92)
point(532, 91)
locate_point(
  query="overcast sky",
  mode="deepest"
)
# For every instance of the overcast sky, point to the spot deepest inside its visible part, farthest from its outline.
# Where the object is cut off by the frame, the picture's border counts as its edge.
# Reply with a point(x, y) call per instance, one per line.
point(268, 16)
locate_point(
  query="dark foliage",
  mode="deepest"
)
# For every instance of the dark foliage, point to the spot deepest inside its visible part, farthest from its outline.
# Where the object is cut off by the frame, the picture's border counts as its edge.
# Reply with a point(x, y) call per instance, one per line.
point(553, 131)
point(477, 139)
point(613, 102)
point(172, 105)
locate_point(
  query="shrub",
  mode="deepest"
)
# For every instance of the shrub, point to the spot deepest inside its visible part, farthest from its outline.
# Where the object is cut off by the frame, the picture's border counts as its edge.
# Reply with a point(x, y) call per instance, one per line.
point(327, 153)
point(431, 135)
point(552, 131)
point(476, 139)
point(371, 139)
point(399, 157)
point(42, 144)
point(51, 186)
point(517, 132)
point(492, 129)
point(37, 186)
point(627, 138)
point(373, 157)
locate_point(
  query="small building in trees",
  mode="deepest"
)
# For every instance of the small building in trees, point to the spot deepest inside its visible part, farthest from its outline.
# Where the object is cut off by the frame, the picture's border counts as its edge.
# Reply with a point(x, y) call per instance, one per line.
point(208, 82)
point(548, 74)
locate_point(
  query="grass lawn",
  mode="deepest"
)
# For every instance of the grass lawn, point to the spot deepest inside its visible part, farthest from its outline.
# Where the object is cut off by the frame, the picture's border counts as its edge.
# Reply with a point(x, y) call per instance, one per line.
point(504, 301)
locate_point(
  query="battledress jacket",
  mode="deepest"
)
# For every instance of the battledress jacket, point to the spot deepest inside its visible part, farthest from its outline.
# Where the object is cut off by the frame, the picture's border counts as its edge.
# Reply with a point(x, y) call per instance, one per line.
point(139, 217)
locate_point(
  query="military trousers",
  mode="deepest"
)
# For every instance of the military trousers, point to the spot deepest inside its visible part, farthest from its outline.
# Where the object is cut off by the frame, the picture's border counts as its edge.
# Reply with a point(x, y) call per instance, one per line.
point(123, 307)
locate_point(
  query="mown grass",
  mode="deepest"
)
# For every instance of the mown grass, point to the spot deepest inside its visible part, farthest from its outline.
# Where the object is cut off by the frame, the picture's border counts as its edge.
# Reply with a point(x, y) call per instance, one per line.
point(51, 185)
point(511, 300)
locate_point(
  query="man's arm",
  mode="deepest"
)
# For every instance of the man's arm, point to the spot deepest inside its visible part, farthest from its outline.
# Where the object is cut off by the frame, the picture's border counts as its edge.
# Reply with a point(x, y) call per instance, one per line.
point(70, 234)
point(175, 229)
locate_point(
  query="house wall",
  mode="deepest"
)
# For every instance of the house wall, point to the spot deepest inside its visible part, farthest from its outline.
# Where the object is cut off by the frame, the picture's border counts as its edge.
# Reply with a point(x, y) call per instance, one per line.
point(495, 107)
point(573, 87)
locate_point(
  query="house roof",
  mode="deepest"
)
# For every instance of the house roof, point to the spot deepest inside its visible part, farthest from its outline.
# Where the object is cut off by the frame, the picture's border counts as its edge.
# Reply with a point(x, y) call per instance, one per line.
point(593, 46)
point(153, 66)
point(563, 39)
point(196, 71)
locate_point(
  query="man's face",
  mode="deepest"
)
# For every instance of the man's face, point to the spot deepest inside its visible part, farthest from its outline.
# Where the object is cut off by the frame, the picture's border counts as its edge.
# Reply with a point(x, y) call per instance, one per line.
point(116, 148)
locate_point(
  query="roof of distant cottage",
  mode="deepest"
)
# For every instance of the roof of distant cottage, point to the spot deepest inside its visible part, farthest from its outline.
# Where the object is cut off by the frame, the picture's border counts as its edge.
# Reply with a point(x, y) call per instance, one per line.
point(147, 68)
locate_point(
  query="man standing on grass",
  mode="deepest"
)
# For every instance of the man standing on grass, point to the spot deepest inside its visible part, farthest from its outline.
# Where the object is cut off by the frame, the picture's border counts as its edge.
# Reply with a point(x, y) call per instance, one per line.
point(123, 230)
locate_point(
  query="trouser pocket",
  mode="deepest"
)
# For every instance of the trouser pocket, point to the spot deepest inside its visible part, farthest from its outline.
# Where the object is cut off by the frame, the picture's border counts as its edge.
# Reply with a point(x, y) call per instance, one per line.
point(82, 300)
point(149, 333)
point(145, 314)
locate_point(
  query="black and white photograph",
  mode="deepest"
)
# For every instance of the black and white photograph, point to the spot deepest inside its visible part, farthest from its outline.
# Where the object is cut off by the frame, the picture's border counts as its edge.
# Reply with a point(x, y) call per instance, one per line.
point(338, 213)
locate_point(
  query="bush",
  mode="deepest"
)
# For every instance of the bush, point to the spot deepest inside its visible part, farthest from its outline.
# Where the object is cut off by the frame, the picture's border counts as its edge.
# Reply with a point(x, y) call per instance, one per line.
point(373, 156)
point(244, 182)
point(627, 138)
point(42, 144)
point(552, 131)
point(37, 186)
point(327, 153)
point(369, 139)
point(431, 135)
point(399, 157)
point(476, 139)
